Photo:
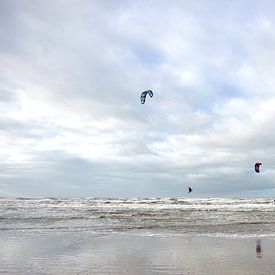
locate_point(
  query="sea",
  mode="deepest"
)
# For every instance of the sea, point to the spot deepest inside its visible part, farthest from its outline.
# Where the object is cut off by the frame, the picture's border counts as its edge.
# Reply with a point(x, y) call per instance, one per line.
point(60, 235)
point(186, 216)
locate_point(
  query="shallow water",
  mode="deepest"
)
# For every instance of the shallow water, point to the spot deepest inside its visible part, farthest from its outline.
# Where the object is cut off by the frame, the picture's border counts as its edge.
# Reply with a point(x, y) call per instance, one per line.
point(134, 252)
point(137, 236)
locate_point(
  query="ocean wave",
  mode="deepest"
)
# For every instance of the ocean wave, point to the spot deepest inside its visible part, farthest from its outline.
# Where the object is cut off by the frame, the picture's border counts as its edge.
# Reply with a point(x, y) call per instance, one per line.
point(195, 215)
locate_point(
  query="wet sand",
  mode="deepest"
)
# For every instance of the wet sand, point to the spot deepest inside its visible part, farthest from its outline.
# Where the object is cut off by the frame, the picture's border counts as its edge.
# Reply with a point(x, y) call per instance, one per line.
point(135, 252)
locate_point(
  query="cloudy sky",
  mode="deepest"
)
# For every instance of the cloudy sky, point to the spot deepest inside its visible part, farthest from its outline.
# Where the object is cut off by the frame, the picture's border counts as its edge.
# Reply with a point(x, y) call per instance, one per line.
point(71, 121)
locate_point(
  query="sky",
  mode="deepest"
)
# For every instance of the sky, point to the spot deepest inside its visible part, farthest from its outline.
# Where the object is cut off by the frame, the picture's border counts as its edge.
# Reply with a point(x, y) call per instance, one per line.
point(71, 120)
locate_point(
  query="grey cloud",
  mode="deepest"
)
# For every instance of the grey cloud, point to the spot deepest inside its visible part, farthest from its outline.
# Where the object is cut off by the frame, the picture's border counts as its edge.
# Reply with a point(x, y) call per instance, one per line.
point(85, 64)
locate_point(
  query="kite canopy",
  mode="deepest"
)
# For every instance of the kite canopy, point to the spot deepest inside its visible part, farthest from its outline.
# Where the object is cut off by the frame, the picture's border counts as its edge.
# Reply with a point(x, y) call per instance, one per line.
point(144, 94)
point(190, 189)
point(257, 167)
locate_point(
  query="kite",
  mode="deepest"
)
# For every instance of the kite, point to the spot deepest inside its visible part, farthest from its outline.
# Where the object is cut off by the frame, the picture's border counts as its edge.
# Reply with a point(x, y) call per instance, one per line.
point(144, 94)
point(257, 167)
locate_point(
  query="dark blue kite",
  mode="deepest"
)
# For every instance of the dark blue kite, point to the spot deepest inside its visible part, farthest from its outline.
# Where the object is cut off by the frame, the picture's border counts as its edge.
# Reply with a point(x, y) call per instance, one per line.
point(144, 94)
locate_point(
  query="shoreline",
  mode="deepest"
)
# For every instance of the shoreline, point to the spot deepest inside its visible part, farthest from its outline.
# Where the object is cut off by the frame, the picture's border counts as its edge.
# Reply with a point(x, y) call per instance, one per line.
point(134, 252)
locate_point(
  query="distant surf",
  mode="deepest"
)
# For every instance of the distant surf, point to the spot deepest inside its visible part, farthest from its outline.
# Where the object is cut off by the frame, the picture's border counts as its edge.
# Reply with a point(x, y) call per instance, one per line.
point(248, 217)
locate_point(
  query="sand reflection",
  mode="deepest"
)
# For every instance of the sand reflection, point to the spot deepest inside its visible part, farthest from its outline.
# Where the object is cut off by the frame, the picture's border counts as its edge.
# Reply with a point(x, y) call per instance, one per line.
point(133, 253)
point(258, 249)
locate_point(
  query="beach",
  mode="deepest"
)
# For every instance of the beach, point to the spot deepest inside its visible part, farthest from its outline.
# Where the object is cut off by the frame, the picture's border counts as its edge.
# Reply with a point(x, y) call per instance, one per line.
point(49, 236)
point(134, 253)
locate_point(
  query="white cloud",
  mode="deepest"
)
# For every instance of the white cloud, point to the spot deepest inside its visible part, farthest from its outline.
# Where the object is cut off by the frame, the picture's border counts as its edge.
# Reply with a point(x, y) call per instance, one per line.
point(71, 76)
